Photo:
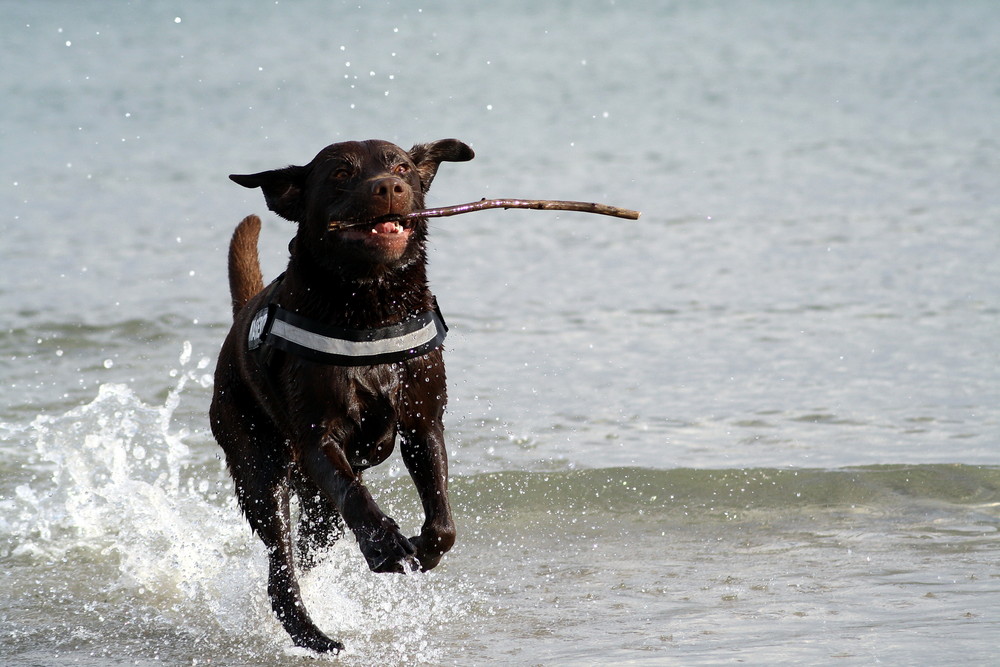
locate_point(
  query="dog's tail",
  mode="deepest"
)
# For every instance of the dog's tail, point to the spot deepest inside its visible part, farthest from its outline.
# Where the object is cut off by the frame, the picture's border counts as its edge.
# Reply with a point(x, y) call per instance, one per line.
point(245, 279)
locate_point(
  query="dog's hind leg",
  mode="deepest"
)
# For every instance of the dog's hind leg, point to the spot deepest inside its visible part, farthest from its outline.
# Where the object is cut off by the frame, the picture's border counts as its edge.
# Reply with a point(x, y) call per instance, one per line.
point(319, 524)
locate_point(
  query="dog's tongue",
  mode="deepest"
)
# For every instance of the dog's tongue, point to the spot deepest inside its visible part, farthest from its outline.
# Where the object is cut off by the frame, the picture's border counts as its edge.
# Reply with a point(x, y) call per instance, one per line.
point(384, 228)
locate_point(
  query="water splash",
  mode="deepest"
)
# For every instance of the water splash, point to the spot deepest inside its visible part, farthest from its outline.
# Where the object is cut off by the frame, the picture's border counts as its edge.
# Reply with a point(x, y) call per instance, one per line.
point(115, 483)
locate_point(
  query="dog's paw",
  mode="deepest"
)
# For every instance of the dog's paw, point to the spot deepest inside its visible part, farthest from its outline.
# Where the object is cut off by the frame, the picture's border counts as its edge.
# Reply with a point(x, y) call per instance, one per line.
point(428, 554)
point(317, 642)
point(385, 548)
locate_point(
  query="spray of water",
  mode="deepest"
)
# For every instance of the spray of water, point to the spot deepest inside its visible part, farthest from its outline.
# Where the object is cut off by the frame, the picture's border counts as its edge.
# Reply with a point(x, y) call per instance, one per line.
point(116, 483)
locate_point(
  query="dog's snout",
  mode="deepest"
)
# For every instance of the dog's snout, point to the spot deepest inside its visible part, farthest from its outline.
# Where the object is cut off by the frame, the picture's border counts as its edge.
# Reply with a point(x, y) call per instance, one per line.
point(389, 187)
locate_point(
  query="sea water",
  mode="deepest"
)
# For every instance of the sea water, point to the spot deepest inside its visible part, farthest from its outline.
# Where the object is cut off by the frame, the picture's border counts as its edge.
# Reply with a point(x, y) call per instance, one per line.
point(758, 425)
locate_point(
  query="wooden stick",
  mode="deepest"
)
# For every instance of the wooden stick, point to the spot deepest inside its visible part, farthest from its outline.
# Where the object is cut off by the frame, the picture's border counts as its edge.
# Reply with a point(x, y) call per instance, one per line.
point(537, 204)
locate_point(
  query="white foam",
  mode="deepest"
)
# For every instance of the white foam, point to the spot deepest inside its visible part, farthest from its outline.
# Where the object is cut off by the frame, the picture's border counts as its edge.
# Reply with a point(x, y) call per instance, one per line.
point(117, 481)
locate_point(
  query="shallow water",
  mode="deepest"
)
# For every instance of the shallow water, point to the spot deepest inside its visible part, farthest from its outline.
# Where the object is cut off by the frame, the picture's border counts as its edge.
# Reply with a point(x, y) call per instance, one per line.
point(759, 425)
point(124, 545)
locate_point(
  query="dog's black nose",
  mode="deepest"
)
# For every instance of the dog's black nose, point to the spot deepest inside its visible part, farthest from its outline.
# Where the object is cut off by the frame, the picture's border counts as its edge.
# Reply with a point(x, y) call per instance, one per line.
point(388, 187)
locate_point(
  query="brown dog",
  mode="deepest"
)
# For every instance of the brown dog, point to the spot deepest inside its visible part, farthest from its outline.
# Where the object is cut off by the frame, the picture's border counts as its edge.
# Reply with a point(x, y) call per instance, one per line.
point(326, 366)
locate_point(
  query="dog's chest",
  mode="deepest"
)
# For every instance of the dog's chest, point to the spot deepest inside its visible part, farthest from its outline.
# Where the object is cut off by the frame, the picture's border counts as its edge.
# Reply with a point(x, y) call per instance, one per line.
point(375, 437)
point(360, 409)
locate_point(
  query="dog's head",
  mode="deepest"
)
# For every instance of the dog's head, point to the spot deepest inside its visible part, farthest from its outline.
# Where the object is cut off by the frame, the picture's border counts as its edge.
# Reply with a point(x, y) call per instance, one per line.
point(372, 182)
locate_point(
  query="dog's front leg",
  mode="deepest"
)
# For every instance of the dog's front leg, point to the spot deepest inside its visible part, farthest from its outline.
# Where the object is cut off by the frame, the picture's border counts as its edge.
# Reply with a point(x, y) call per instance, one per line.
point(382, 544)
point(426, 460)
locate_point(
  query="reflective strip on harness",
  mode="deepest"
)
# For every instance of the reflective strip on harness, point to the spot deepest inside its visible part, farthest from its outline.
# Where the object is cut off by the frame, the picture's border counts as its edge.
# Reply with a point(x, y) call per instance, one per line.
point(315, 341)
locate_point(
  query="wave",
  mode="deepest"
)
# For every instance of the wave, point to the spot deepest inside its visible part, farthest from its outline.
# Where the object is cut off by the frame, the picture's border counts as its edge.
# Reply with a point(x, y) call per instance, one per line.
point(629, 489)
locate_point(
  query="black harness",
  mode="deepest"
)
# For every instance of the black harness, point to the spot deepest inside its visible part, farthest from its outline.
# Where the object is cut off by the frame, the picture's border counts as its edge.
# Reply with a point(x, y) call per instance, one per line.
point(273, 326)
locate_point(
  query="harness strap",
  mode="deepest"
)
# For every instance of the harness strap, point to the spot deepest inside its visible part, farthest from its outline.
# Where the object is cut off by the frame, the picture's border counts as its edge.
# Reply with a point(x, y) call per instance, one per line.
point(275, 327)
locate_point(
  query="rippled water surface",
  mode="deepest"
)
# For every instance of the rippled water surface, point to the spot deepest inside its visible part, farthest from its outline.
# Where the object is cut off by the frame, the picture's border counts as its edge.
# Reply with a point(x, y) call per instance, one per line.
point(759, 425)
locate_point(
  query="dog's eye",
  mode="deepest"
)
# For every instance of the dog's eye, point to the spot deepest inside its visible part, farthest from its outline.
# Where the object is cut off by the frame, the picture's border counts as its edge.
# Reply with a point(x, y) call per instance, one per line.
point(340, 174)
point(401, 169)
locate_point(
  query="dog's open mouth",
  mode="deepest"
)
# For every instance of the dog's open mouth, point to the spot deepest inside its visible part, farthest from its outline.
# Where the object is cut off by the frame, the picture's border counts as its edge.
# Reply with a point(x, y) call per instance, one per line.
point(384, 224)
point(388, 233)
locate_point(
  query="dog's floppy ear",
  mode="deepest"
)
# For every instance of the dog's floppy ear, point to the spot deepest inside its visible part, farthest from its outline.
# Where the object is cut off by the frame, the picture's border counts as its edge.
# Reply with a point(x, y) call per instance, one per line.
point(427, 157)
point(282, 189)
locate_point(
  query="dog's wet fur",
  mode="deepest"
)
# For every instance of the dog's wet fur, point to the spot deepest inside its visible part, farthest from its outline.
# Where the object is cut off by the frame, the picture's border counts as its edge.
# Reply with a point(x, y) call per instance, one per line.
point(292, 426)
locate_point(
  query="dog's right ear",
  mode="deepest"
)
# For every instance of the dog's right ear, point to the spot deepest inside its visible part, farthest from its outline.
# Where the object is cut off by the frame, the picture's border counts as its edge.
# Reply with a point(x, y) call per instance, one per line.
point(428, 157)
point(282, 189)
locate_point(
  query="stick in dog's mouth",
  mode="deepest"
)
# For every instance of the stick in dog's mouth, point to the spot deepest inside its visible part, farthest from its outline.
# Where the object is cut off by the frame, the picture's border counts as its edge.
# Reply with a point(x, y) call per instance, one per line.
point(535, 204)
point(394, 222)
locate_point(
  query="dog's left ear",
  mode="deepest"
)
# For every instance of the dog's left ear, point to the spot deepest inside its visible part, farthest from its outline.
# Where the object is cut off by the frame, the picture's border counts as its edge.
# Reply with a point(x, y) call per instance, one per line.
point(428, 157)
point(282, 189)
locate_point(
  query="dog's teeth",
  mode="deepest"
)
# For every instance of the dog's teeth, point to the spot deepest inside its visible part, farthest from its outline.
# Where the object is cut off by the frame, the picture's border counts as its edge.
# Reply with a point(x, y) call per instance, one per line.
point(388, 227)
